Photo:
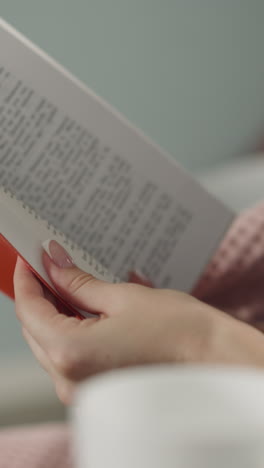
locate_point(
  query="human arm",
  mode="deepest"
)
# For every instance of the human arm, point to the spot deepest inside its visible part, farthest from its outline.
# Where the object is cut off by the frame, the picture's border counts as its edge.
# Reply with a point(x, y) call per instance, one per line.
point(133, 325)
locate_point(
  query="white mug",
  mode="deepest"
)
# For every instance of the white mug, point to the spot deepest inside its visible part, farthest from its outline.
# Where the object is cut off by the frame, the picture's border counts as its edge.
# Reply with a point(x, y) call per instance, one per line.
point(171, 417)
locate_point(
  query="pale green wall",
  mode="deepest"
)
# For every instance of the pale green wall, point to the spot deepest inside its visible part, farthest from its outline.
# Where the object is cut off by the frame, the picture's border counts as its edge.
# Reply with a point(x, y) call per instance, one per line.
point(190, 73)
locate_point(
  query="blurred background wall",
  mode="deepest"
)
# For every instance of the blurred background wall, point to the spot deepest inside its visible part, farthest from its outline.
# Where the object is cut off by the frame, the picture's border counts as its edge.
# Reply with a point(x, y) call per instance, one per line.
point(189, 73)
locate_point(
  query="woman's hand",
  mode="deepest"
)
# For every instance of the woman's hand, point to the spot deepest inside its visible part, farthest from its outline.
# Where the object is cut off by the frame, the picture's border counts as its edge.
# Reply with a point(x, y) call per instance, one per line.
point(133, 325)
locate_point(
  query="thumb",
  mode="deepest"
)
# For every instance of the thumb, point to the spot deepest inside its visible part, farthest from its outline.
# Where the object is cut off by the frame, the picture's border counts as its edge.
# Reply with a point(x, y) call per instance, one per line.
point(81, 289)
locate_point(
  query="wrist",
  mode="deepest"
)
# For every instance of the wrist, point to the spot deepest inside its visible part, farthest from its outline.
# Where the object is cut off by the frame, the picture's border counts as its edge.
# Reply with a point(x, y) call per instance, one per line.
point(235, 342)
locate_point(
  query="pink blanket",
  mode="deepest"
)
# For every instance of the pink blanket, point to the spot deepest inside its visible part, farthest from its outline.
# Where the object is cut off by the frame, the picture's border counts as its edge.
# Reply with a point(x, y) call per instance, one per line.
point(45, 446)
point(233, 282)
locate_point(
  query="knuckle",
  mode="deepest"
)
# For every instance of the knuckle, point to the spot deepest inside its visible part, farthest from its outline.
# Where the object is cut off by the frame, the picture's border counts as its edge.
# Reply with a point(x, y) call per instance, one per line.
point(79, 281)
point(66, 361)
point(64, 391)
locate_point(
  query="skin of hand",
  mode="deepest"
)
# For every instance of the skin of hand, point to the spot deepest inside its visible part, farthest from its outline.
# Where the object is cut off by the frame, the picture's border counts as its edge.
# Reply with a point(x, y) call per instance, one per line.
point(133, 325)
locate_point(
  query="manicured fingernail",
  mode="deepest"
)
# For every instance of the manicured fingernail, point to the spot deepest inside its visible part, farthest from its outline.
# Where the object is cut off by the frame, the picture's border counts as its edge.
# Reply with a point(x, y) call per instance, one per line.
point(140, 275)
point(137, 277)
point(58, 254)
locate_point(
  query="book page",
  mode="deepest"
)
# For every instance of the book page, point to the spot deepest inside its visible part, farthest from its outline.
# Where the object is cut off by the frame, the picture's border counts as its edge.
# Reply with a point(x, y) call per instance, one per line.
point(83, 168)
point(26, 232)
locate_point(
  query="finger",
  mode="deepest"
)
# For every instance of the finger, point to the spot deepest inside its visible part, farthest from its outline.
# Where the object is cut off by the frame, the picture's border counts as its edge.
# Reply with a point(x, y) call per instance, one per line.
point(82, 289)
point(110, 344)
point(58, 303)
point(24, 278)
point(64, 388)
point(50, 296)
point(38, 352)
point(36, 313)
point(65, 391)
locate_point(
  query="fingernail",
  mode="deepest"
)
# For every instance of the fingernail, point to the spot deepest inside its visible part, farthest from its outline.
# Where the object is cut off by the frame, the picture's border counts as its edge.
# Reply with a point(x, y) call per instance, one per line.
point(140, 275)
point(137, 277)
point(58, 254)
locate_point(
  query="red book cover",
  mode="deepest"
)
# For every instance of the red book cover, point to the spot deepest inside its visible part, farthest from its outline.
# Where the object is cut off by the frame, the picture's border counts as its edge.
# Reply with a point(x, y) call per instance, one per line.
point(8, 257)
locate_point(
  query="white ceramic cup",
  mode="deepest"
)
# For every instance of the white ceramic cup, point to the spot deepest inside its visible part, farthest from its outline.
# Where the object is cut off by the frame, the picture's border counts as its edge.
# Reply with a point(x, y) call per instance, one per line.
point(171, 417)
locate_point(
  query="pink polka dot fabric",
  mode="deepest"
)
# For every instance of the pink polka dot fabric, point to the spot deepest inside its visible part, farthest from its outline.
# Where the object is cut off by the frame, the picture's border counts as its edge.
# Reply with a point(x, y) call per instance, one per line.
point(233, 282)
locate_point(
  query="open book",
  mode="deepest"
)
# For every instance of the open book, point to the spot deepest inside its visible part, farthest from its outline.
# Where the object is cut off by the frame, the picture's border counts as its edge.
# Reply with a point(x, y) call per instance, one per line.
point(72, 169)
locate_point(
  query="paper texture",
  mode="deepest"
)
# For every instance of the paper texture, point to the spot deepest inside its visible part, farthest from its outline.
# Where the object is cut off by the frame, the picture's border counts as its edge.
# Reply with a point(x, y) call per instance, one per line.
point(92, 175)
